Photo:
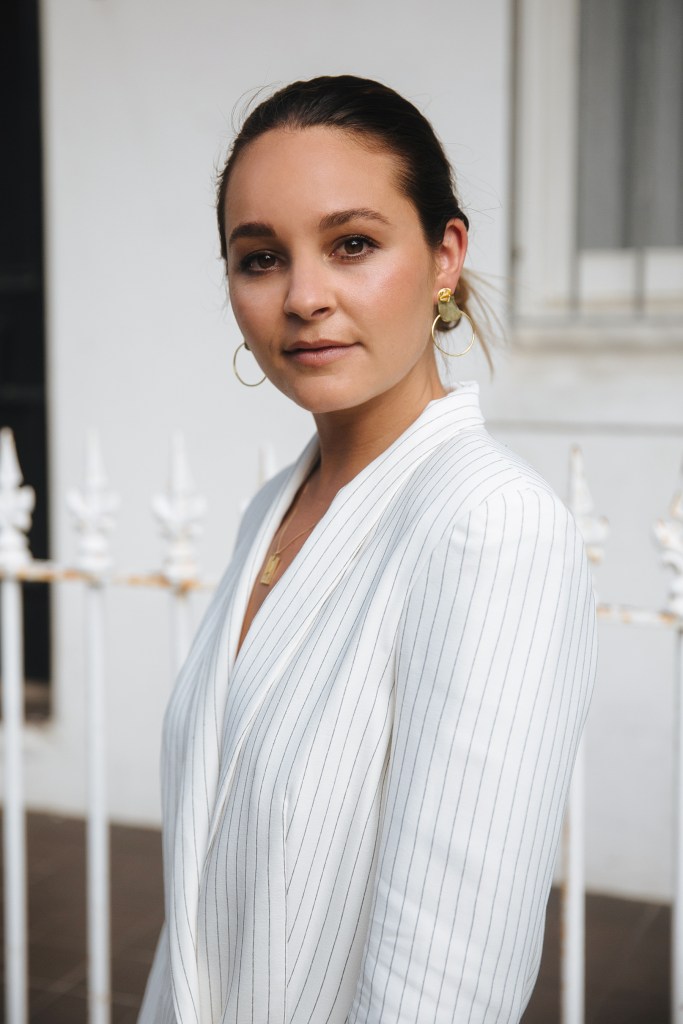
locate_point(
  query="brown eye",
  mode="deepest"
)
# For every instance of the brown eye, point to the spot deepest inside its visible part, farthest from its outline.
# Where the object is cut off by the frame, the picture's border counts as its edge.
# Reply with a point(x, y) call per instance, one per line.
point(264, 260)
point(354, 246)
point(258, 263)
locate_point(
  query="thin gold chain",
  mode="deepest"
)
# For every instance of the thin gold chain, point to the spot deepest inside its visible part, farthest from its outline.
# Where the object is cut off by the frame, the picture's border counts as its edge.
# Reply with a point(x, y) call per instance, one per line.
point(274, 558)
point(278, 551)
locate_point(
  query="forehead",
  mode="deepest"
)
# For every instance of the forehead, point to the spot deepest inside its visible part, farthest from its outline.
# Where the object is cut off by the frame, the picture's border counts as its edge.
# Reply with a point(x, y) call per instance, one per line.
point(310, 171)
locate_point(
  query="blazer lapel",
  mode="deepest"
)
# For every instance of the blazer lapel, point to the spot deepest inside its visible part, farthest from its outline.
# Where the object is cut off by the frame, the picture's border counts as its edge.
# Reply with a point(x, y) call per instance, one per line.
point(256, 542)
point(284, 618)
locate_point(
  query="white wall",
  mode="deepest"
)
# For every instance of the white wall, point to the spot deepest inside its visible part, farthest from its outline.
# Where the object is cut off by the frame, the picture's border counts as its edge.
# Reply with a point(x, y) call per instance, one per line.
point(139, 98)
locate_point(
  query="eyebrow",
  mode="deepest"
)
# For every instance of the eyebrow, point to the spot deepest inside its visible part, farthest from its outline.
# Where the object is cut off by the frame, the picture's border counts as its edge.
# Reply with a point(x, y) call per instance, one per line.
point(259, 229)
point(336, 220)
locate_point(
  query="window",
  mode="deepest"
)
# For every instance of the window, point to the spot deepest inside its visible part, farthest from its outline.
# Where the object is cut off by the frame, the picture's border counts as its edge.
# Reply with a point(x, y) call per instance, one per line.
point(598, 204)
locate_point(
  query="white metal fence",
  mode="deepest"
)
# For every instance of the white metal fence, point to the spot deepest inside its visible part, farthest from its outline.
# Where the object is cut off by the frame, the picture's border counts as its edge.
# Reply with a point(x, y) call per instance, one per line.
point(180, 512)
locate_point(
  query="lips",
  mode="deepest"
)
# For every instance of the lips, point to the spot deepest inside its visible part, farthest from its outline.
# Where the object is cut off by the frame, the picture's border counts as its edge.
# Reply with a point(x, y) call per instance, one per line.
point(319, 343)
point(319, 352)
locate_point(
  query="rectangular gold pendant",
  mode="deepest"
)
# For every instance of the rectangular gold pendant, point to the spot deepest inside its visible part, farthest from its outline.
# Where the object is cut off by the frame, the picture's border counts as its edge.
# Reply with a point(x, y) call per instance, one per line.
point(270, 570)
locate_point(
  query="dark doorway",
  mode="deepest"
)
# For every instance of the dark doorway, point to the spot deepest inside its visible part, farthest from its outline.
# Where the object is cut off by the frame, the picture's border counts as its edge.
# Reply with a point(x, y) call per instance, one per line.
point(22, 333)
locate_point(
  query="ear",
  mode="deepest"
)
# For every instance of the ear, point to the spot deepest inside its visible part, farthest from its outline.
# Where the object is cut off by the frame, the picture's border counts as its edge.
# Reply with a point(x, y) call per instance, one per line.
point(450, 255)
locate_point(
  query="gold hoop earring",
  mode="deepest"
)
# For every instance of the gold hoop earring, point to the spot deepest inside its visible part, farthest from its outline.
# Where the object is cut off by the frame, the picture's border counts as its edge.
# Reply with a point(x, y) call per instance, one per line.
point(450, 313)
point(236, 371)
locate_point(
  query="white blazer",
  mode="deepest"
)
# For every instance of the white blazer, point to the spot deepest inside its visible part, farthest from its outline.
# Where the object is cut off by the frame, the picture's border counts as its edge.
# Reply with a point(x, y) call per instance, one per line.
point(361, 811)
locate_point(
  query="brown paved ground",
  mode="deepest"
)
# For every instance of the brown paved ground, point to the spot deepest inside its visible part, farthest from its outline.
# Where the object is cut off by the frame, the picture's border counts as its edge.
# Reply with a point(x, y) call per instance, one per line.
point(627, 942)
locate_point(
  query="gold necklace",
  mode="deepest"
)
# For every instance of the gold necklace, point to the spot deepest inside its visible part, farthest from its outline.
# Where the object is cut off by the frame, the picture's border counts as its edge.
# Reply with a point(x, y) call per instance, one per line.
point(274, 559)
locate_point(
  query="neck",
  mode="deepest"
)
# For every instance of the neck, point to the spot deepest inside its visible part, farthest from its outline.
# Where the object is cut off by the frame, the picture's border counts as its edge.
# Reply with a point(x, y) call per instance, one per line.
point(352, 438)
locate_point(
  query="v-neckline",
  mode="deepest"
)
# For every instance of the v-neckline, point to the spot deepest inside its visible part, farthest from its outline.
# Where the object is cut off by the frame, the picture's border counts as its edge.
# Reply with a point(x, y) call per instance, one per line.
point(259, 570)
point(299, 471)
point(459, 404)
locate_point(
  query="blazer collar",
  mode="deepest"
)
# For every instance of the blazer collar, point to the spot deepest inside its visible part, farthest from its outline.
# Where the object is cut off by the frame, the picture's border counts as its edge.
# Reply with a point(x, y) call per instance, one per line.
point(352, 515)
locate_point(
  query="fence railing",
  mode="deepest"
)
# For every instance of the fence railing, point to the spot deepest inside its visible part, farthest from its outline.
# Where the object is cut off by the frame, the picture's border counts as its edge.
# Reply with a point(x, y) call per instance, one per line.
point(180, 513)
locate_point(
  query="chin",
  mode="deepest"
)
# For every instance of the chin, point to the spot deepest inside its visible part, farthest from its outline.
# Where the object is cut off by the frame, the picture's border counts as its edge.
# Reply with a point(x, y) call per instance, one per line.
point(326, 396)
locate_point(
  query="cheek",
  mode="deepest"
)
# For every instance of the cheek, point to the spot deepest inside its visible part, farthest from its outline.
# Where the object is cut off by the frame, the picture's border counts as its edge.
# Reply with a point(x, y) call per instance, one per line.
point(402, 293)
point(251, 309)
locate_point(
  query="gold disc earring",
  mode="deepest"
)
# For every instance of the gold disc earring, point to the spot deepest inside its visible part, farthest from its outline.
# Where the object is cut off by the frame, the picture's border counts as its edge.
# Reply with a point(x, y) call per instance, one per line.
point(450, 313)
point(236, 371)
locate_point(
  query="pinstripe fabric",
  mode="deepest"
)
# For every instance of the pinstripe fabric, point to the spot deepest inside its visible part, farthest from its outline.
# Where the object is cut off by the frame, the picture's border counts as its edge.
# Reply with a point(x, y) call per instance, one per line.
point(362, 810)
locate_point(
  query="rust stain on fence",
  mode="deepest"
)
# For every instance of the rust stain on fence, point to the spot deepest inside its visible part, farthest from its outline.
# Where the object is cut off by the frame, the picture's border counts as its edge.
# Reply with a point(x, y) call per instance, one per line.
point(48, 572)
point(632, 616)
point(37, 571)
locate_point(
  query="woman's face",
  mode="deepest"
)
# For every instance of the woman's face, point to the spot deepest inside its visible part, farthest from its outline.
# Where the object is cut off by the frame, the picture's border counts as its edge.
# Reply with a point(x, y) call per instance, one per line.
point(331, 280)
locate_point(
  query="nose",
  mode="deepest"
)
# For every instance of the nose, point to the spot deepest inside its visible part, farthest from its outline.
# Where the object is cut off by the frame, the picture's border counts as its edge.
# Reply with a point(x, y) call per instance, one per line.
point(309, 294)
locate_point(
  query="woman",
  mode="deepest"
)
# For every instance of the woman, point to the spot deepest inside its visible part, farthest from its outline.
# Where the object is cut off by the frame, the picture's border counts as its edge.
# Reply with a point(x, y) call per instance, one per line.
point(368, 750)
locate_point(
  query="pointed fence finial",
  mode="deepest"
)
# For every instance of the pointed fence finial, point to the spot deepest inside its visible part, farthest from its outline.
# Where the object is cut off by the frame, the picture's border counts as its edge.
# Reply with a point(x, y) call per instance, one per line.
point(594, 529)
point(180, 512)
point(94, 509)
point(16, 506)
point(669, 536)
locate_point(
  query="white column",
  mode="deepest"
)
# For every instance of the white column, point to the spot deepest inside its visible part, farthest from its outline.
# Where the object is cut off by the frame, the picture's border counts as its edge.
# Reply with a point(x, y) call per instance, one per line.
point(180, 513)
point(16, 505)
point(94, 509)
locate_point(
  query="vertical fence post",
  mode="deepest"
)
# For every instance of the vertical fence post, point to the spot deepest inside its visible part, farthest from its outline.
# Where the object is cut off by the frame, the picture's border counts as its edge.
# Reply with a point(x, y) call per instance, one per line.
point(16, 505)
point(180, 513)
point(669, 536)
point(573, 942)
point(98, 871)
point(594, 530)
point(93, 510)
point(677, 922)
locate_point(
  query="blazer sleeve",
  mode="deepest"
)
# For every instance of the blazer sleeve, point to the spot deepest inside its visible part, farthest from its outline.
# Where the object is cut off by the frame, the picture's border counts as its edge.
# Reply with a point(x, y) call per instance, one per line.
point(496, 660)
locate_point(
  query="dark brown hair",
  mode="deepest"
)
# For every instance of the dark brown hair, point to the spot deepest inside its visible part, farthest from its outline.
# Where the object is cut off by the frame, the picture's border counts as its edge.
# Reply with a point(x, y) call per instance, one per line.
point(382, 117)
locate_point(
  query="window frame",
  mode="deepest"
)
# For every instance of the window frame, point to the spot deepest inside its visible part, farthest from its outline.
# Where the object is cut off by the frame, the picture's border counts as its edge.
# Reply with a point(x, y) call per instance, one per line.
point(549, 302)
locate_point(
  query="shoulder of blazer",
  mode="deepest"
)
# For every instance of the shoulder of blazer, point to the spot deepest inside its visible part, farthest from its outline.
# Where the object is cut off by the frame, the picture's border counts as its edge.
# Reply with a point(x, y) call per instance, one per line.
point(502, 510)
point(468, 471)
